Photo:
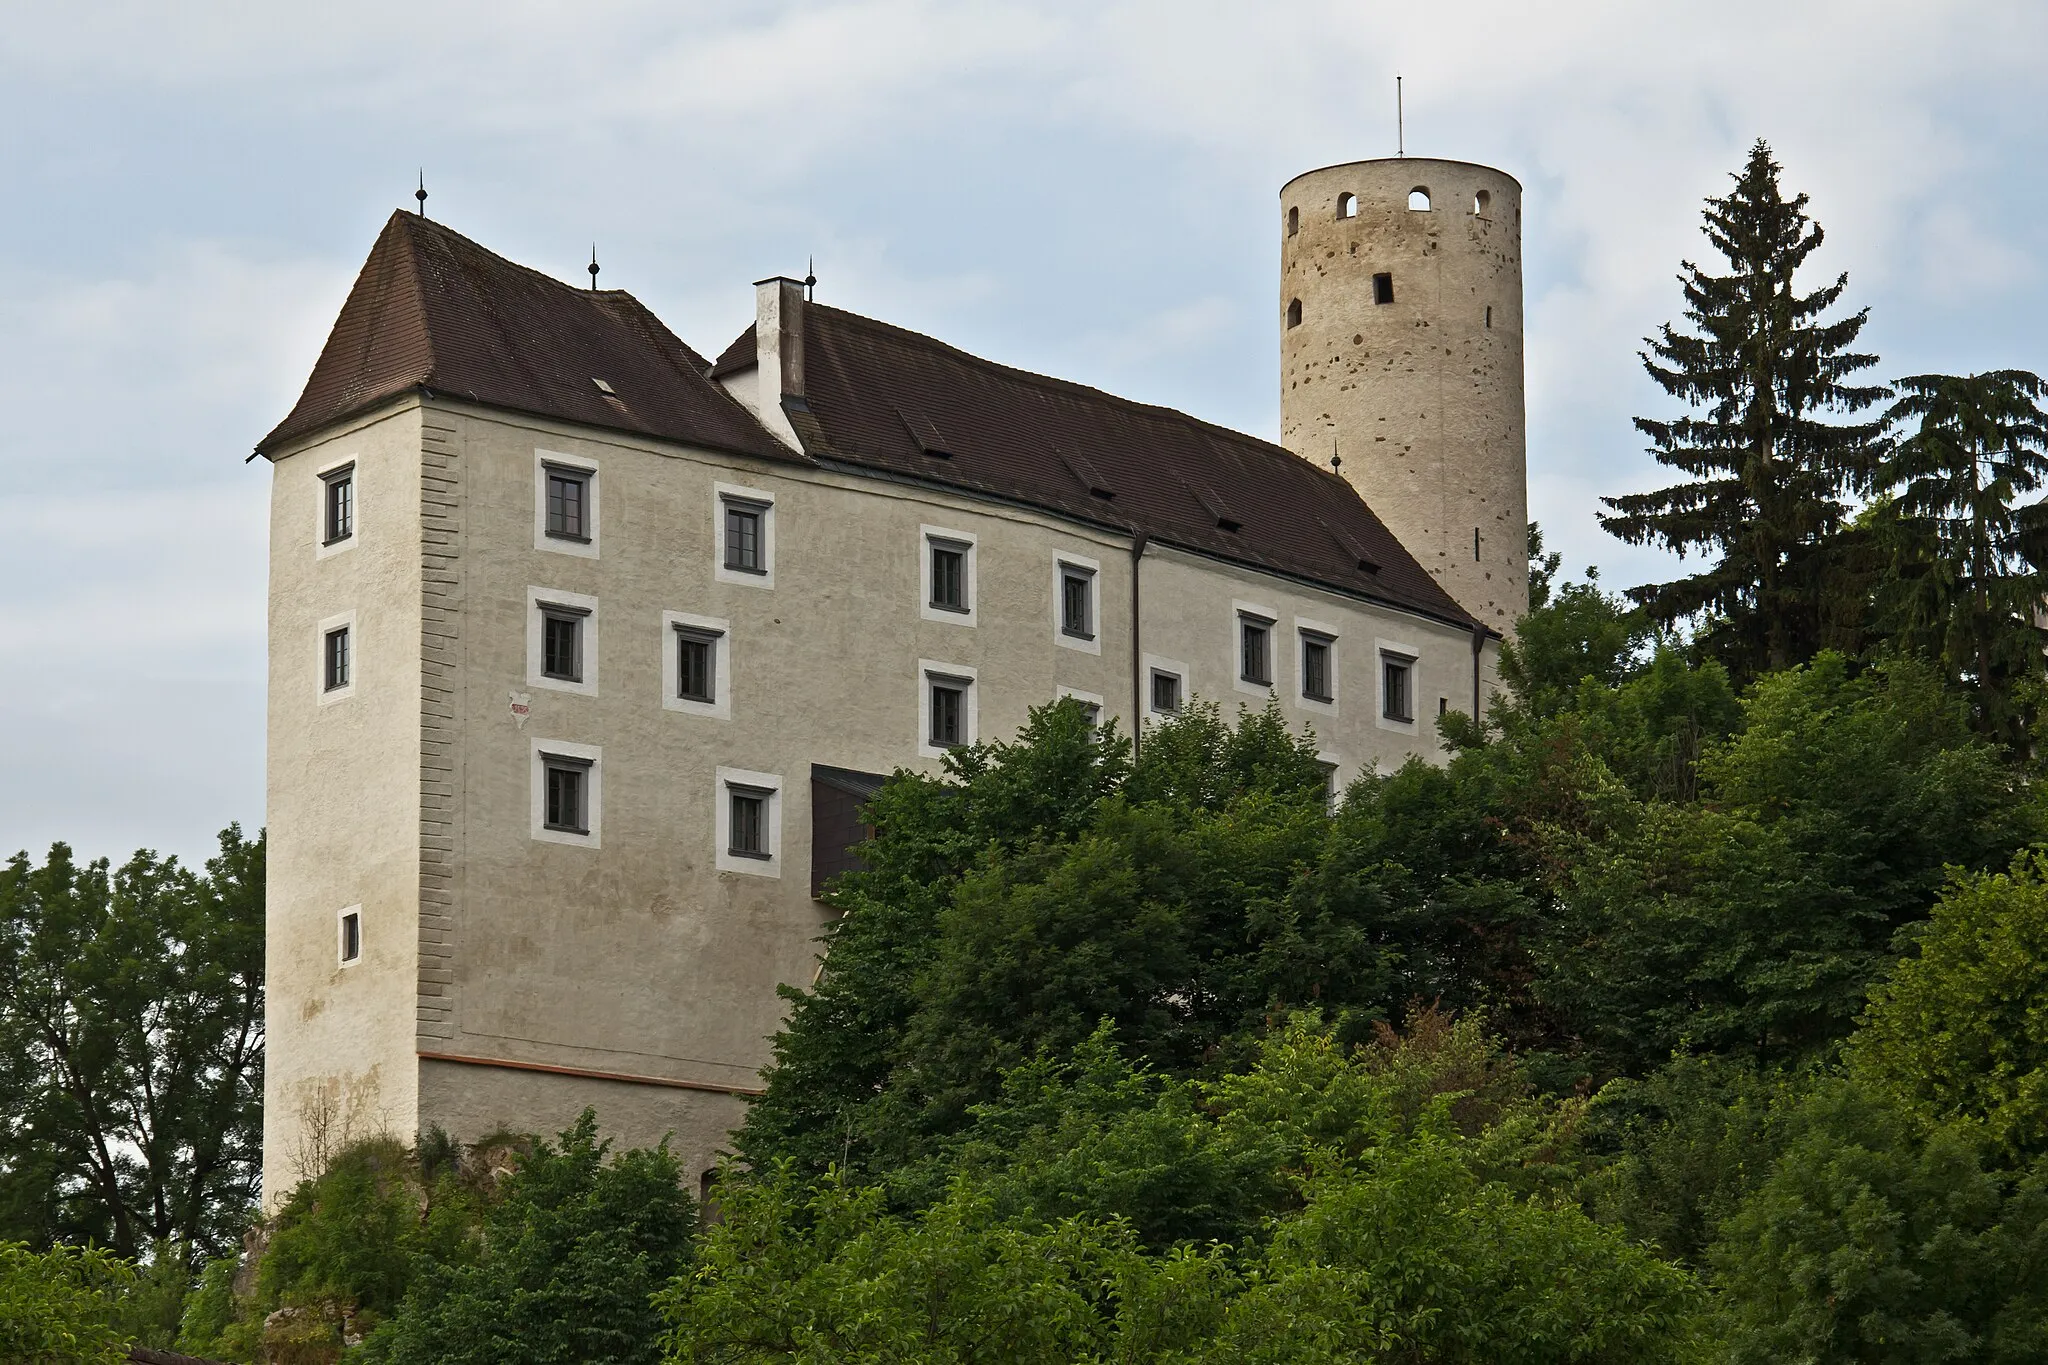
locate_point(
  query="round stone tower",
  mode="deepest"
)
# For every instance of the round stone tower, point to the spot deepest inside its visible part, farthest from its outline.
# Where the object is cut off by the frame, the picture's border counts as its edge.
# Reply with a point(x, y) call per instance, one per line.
point(1401, 355)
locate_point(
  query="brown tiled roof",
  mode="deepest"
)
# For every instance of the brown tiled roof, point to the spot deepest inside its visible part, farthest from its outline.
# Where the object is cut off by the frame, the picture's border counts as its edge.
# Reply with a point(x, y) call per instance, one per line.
point(885, 398)
point(433, 310)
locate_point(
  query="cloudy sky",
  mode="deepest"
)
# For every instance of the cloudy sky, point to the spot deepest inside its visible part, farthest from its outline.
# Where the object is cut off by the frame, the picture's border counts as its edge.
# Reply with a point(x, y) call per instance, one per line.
point(1081, 188)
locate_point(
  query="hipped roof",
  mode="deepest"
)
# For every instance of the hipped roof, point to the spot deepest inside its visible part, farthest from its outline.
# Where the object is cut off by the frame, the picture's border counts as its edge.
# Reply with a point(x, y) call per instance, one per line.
point(886, 398)
point(433, 310)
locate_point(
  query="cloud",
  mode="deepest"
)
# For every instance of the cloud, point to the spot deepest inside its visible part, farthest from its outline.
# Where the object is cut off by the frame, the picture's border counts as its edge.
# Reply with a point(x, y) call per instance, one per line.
point(1084, 189)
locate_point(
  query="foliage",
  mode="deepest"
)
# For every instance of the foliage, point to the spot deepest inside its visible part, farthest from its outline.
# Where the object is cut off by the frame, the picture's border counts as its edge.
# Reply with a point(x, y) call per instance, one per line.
point(1969, 563)
point(1752, 920)
point(131, 1036)
point(1876, 1240)
point(568, 1258)
point(1766, 476)
point(1959, 1030)
point(1167, 894)
point(1682, 1147)
point(61, 1306)
point(1396, 1231)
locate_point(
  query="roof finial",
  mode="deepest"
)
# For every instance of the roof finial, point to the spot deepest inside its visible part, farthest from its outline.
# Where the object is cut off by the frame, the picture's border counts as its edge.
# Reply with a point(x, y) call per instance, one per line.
point(593, 266)
point(1336, 460)
point(421, 193)
point(1400, 122)
point(811, 279)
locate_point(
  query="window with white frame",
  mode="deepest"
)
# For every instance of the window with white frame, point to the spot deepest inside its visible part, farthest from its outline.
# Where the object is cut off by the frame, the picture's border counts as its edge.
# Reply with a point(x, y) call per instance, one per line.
point(566, 800)
point(335, 660)
point(1077, 603)
point(1090, 703)
point(1318, 666)
point(746, 536)
point(946, 707)
point(1254, 649)
point(946, 575)
point(337, 504)
point(1166, 692)
point(335, 663)
point(567, 792)
point(1166, 685)
point(562, 640)
point(748, 822)
point(350, 927)
point(1397, 687)
point(696, 668)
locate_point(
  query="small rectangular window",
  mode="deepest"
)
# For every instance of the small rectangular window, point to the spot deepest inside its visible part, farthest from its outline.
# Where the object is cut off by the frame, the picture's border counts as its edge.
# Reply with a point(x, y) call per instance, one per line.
point(1315, 667)
point(1077, 602)
point(743, 536)
point(1330, 792)
point(948, 713)
point(568, 794)
point(568, 503)
point(749, 821)
point(561, 644)
point(351, 936)
point(1383, 289)
point(1255, 650)
point(338, 519)
point(337, 664)
point(1165, 691)
point(949, 575)
point(1397, 675)
point(696, 664)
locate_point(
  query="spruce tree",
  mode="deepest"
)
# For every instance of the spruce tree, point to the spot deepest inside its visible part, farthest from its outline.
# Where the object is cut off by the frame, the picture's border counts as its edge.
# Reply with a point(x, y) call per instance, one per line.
point(1767, 478)
point(1968, 562)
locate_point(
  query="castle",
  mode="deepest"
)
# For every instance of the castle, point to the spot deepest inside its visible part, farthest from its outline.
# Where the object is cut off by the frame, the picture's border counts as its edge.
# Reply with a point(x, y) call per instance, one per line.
point(585, 650)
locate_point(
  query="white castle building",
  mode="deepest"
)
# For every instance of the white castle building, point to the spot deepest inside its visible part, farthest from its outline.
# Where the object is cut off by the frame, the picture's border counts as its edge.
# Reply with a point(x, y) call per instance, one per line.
point(584, 650)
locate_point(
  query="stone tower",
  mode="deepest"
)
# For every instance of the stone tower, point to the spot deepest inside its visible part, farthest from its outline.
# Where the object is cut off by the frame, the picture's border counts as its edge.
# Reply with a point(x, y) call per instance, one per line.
point(1401, 353)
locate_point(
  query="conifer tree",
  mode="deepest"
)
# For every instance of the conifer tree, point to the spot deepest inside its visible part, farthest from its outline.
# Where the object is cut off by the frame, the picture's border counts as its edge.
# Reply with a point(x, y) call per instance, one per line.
point(1764, 499)
point(1969, 566)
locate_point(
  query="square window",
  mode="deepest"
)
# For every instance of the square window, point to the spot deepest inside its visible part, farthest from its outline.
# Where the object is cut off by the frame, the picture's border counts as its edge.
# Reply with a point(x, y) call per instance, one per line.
point(1165, 691)
point(1315, 667)
point(1077, 602)
point(568, 503)
point(336, 665)
point(338, 505)
point(351, 936)
point(949, 575)
point(948, 713)
point(697, 664)
point(566, 796)
point(747, 823)
point(561, 644)
point(1396, 686)
point(1255, 650)
point(743, 537)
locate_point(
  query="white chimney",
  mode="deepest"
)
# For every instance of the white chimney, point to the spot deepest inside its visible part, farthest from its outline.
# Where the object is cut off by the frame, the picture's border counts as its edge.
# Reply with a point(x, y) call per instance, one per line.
point(779, 352)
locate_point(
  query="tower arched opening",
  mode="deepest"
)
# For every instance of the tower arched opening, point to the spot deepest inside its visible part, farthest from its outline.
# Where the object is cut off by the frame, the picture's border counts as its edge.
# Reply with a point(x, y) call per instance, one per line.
point(1293, 221)
point(1418, 199)
point(1481, 202)
point(1347, 205)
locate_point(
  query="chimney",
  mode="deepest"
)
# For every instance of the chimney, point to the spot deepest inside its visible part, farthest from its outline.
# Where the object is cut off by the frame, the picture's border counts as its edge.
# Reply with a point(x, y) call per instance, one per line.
point(779, 352)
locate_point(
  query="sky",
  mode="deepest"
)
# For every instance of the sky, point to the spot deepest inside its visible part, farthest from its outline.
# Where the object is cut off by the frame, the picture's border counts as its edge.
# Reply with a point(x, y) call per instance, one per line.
point(1084, 189)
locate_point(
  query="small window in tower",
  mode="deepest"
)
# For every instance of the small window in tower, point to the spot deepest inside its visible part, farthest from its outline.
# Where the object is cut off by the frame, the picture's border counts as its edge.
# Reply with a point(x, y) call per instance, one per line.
point(1294, 313)
point(1293, 221)
point(1480, 203)
point(1383, 288)
point(1347, 205)
point(1489, 316)
point(1418, 199)
point(351, 937)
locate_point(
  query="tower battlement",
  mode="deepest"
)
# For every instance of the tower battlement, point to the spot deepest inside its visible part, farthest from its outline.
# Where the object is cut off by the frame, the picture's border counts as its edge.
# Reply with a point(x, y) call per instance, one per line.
point(1401, 356)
